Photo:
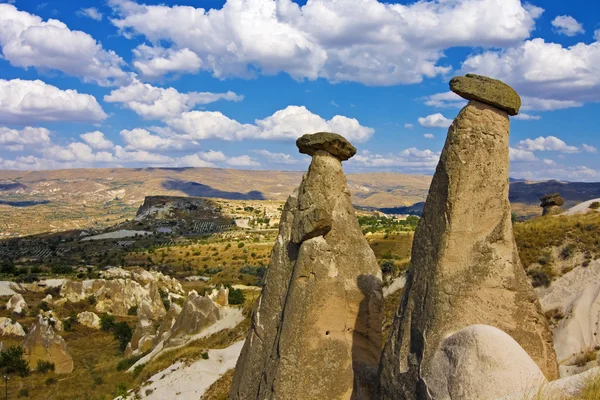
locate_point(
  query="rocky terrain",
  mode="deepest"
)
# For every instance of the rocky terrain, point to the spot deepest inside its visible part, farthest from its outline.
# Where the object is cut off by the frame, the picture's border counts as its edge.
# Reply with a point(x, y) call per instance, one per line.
point(34, 202)
point(313, 299)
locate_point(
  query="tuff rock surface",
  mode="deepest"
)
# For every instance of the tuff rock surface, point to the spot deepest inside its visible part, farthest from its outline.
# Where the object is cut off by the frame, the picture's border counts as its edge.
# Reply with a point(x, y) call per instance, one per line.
point(332, 143)
point(89, 319)
point(10, 327)
point(465, 269)
point(316, 329)
point(115, 296)
point(487, 90)
point(42, 343)
point(482, 362)
point(551, 204)
point(16, 304)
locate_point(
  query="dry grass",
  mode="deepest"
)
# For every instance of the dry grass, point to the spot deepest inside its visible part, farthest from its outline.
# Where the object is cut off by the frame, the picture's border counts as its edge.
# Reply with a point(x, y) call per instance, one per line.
point(539, 234)
point(220, 389)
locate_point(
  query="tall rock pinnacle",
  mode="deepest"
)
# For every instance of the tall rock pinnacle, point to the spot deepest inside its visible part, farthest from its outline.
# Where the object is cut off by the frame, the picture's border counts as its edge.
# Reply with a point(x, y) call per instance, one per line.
point(465, 269)
point(316, 330)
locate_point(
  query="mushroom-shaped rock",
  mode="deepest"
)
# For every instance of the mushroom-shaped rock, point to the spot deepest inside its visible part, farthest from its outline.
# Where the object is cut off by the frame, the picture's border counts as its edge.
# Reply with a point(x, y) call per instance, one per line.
point(316, 330)
point(487, 90)
point(551, 203)
point(16, 303)
point(332, 143)
point(42, 343)
point(465, 269)
point(482, 362)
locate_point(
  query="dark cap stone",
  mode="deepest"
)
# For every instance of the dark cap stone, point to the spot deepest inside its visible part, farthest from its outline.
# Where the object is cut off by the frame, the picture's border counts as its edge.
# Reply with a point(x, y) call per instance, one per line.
point(334, 144)
point(487, 90)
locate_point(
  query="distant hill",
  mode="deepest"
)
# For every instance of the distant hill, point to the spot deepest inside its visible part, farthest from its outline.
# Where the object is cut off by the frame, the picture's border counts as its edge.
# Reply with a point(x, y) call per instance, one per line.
point(58, 200)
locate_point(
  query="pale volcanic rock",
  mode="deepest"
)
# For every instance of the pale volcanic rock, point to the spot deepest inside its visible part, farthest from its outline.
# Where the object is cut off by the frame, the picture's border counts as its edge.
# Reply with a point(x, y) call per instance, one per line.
point(487, 90)
point(42, 343)
point(89, 319)
point(10, 327)
point(316, 331)
point(220, 296)
point(197, 313)
point(465, 269)
point(16, 304)
point(579, 331)
point(116, 296)
point(332, 143)
point(482, 362)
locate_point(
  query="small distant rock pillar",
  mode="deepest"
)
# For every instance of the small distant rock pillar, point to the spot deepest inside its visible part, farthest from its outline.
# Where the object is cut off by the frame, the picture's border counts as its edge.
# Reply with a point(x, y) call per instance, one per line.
point(551, 204)
point(465, 269)
point(316, 330)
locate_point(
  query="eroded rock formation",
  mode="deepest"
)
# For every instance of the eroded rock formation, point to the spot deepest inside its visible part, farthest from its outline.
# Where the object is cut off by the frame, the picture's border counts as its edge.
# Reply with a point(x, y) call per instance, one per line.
point(42, 343)
point(16, 304)
point(89, 319)
point(465, 269)
point(316, 330)
point(551, 204)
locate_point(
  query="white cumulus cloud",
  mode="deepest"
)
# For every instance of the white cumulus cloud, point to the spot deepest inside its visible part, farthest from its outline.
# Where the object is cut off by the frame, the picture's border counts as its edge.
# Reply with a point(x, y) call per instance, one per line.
point(28, 41)
point(567, 25)
point(19, 139)
point(549, 143)
point(154, 62)
point(153, 102)
point(365, 41)
point(97, 141)
point(25, 102)
point(435, 121)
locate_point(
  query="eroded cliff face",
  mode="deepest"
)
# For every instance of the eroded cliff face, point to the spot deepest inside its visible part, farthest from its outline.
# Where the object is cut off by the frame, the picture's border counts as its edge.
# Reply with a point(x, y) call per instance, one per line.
point(465, 269)
point(316, 330)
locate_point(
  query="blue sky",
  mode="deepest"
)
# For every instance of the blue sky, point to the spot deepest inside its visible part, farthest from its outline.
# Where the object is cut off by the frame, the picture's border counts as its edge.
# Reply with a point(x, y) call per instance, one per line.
point(233, 83)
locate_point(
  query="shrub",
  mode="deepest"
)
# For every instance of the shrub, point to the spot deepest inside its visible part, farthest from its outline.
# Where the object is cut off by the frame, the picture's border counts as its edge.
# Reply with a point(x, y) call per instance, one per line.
point(23, 392)
point(107, 322)
point(121, 390)
point(138, 369)
point(122, 332)
point(205, 355)
point(50, 381)
point(567, 251)
point(43, 306)
point(98, 380)
point(44, 366)
point(595, 205)
point(61, 269)
point(92, 300)
point(240, 245)
point(68, 325)
point(12, 361)
point(387, 267)
point(8, 268)
point(540, 278)
point(132, 310)
point(236, 296)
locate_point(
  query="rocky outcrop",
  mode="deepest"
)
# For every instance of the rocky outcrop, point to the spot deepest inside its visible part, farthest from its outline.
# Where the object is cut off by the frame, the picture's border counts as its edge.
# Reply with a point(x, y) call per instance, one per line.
point(10, 327)
point(551, 204)
point(89, 319)
point(220, 296)
point(116, 296)
point(42, 343)
point(465, 269)
point(16, 304)
point(482, 362)
point(487, 90)
point(316, 330)
point(197, 313)
point(578, 333)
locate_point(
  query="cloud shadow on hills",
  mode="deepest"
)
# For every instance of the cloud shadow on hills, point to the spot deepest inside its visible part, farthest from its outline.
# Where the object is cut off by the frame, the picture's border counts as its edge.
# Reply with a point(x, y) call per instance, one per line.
point(24, 203)
point(201, 190)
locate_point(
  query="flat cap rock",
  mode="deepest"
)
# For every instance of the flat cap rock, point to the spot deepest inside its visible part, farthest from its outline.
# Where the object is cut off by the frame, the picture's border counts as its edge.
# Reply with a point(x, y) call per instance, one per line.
point(487, 90)
point(334, 144)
